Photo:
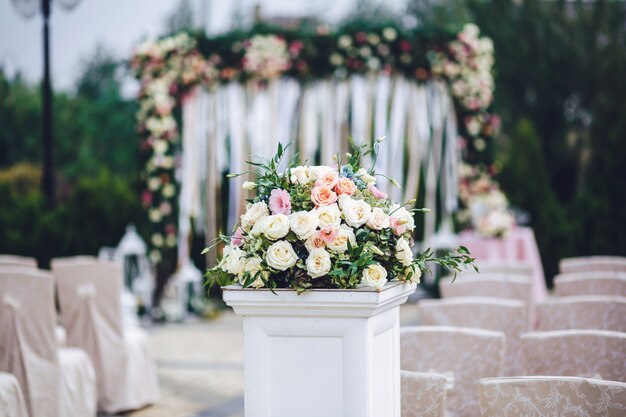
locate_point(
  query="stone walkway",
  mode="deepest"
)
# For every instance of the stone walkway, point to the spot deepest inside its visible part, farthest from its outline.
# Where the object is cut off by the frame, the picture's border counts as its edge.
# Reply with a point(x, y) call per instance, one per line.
point(200, 366)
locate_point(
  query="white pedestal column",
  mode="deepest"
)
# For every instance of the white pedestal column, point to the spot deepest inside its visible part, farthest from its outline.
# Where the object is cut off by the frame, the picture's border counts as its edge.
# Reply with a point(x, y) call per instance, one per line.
point(324, 353)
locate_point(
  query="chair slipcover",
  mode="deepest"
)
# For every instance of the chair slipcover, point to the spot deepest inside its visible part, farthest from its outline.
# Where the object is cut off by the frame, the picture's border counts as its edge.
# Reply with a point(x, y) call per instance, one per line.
point(599, 312)
point(499, 314)
point(590, 283)
point(423, 394)
point(89, 294)
point(28, 349)
point(597, 354)
point(12, 402)
point(463, 355)
point(551, 396)
point(14, 260)
point(592, 263)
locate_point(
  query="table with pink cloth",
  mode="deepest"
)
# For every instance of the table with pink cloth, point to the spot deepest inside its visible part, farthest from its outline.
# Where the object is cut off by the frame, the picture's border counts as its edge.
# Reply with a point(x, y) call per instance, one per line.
point(519, 245)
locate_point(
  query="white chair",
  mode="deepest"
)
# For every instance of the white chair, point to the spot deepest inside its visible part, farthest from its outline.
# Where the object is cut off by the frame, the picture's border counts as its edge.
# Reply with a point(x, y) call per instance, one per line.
point(56, 382)
point(599, 312)
point(597, 354)
point(592, 263)
point(499, 314)
point(463, 355)
point(12, 402)
point(550, 396)
point(89, 294)
point(590, 283)
point(423, 394)
point(15, 260)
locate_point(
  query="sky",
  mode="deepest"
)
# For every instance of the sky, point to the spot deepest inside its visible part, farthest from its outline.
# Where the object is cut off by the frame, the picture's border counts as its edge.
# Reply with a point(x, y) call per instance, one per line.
point(121, 24)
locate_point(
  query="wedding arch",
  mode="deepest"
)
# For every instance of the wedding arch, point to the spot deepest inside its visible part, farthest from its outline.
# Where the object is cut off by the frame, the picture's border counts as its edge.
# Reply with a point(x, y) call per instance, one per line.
point(207, 105)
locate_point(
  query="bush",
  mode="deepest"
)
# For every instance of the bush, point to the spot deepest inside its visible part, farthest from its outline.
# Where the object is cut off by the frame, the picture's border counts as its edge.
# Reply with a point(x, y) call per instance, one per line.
point(93, 214)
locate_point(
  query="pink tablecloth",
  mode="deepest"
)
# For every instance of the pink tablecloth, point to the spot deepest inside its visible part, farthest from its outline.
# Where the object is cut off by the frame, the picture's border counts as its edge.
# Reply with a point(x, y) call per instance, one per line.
point(520, 246)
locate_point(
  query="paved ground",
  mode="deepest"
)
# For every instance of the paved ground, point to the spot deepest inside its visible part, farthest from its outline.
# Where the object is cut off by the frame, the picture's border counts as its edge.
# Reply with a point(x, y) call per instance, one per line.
point(200, 366)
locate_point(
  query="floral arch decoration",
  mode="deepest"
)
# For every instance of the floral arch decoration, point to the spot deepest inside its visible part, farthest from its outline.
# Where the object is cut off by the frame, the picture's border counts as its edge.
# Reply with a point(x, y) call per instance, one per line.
point(171, 68)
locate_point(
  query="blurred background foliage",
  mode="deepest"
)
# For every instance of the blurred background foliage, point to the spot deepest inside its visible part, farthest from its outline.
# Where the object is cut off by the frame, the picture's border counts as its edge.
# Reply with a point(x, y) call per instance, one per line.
point(560, 90)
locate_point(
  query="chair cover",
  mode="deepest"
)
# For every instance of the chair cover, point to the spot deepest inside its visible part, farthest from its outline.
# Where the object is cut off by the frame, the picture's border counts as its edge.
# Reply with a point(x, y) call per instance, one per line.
point(599, 354)
point(423, 394)
point(14, 260)
point(503, 315)
point(78, 398)
point(551, 396)
point(89, 294)
point(592, 263)
point(12, 402)
point(463, 355)
point(28, 348)
point(599, 312)
point(591, 283)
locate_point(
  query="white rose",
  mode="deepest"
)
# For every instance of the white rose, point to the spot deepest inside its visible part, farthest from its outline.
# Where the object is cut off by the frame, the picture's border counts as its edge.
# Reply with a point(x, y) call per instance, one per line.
point(276, 226)
point(378, 220)
point(356, 213)
point(254, 213)
point(281, 256)
point(374, 276)
point(318, 263)
point(329, 215)
point(343, 200)
point(318, 171)
point(417, 273)
point(304, 223)
point(314, 242)
point(404, 217)
point(299, 175)
point(345, 235)
point(367, 178)
point(233, 260)
point(253, 266)
point(403, 252)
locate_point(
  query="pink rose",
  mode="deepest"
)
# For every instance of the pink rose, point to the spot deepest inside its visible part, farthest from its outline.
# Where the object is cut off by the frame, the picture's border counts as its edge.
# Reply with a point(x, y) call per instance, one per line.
point(323, 196)
point(396, 227)
point(329, 233)
point(280, 202)
point(345, 186)
point(377, 193)
point(329, 180)
point(237, 238)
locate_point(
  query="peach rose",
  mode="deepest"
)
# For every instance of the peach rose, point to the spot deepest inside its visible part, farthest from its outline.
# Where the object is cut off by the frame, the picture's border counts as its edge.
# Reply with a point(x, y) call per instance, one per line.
point(323, 196)
point(328, 179)
point(345, 186)
point(328, 233)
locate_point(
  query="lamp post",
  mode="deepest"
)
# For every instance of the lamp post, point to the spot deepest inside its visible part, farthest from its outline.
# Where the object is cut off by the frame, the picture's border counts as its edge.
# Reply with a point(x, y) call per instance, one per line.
point(28, 9)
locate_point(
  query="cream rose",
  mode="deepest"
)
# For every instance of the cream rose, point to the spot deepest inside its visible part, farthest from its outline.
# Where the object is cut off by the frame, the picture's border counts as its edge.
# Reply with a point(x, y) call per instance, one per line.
point(328, 215)
point(314, 242)
point(318, 263)
point(356, 213)
point(233, 260)
point(378, 219)
point(416, 273)
point(299, 175)
point(403, 252)
point(343, 199)
point(304, 223)
point(319, 171)
point(254, 213)
point(374, 276)
point(281, 256)
point(253, 266)
point(276, 226)
point(340, 244)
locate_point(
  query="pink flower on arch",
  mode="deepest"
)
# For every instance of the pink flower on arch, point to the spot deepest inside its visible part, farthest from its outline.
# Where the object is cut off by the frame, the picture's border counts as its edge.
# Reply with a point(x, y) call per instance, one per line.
point(237, 238)
point(396, 227)
point(329, 233)
point(377, 193)
point(280, 202)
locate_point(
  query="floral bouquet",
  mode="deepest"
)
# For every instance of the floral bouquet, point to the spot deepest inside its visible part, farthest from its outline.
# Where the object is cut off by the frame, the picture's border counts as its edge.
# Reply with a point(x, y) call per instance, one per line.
point(323, 227)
